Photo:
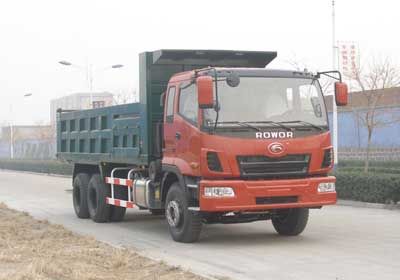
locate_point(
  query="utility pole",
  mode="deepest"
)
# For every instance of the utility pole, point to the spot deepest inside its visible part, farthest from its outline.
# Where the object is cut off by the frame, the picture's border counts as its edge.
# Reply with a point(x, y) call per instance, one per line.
point(89, 72)
point(334, 107)
point(11, 134)
point(89, 77)
point(12, 128)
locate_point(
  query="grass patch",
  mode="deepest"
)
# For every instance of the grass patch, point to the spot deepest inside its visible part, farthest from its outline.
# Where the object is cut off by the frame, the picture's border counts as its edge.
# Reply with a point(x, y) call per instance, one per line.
point(32, 249)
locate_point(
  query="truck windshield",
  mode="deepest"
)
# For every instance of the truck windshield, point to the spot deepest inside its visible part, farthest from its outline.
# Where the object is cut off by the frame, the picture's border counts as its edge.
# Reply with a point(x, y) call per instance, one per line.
point(265, 101)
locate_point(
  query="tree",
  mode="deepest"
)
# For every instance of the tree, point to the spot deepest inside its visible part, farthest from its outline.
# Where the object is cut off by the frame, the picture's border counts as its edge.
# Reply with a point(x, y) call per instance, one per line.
point(326, 83)
point(44, 132)
point(125, 96)
point(371, 82)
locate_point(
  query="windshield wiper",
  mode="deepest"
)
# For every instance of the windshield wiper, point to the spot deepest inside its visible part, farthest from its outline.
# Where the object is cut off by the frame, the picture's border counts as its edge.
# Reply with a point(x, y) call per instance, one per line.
point(244, 124)
point(276, 124)
point(305, 123)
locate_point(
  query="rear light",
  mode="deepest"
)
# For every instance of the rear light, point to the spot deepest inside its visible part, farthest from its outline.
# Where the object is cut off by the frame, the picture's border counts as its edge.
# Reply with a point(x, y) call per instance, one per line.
point(326, 187)
point(328, 158)
point(218, 192)
point(213, 162)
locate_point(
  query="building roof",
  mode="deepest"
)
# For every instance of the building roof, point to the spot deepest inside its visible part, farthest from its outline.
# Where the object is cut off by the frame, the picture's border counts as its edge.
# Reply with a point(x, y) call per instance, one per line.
point(86, 94)
point(390, 98)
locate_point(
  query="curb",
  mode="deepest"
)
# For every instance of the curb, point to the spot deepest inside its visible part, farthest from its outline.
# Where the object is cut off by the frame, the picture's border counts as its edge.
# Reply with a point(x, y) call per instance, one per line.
point(361, 204)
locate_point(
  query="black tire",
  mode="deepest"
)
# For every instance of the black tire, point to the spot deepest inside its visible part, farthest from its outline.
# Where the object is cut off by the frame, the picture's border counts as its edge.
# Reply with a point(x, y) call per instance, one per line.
point(99, 210)
point(117, 213)
point(157, 212)
point(186, 226)
point(155, 170)
point(290, 222)
point(79, 195)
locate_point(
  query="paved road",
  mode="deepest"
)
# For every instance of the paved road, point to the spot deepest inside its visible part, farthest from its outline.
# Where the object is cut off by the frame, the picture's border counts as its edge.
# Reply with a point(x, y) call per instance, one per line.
point(339, 243)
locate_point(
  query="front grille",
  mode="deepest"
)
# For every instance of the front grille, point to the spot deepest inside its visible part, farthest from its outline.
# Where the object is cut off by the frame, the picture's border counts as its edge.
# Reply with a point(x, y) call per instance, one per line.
point(267, 167)
point(276, 199)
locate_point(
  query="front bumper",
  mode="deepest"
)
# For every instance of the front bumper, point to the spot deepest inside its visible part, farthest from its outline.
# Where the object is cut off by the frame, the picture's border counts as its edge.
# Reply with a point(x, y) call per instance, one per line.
point(246, 192)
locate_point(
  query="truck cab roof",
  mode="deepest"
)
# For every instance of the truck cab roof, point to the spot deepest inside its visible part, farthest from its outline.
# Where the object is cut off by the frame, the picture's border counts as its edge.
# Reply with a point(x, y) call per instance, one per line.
point(244, 72)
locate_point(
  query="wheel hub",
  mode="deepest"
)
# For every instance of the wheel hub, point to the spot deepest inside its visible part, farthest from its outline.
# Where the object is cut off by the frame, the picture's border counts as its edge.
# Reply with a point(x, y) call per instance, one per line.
point(173, 213)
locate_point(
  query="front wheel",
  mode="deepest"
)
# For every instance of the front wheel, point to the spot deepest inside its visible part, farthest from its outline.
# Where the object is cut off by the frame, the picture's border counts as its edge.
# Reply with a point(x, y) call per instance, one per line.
point(290, 221)
point(184, 226)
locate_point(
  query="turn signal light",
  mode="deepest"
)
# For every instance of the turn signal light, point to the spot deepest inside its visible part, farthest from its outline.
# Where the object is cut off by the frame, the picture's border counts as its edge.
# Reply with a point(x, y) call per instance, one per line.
point(326, 187)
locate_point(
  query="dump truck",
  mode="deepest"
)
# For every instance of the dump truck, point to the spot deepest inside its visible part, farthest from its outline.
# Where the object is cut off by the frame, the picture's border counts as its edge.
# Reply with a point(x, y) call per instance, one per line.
point(215, 138)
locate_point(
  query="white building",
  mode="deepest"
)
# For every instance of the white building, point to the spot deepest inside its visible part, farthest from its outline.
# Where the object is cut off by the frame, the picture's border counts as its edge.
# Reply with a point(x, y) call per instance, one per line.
point(79, 101)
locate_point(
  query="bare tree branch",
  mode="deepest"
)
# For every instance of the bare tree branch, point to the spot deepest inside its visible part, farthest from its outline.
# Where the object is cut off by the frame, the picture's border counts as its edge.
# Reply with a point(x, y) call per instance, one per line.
point(381, 74)
point(125, 96)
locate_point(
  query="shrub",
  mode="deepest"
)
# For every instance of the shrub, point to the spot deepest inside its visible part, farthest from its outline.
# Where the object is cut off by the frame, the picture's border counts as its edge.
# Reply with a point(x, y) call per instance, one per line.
point(40, 166)
point(372, 163)
point(375, 188)
point(382, 170)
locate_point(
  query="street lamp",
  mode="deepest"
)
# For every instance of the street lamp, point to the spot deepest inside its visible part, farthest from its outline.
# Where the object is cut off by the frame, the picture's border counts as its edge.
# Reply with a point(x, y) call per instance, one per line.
point(12, 128)
point(66, 63)
point(117, 66)
point(89, 74)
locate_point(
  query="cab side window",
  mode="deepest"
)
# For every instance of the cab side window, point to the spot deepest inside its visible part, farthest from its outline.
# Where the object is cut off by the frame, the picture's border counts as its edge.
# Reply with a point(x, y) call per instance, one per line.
point(188, 103)
point(170, 105)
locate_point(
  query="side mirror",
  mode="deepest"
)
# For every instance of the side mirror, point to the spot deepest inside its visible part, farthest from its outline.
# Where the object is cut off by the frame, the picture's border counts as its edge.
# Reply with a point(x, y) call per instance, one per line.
point(233, 79)
point(205, 88)
point(341, 94)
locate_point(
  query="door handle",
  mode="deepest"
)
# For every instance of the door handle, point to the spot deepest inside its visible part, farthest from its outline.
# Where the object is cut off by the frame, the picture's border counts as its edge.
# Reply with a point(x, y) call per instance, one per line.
point(178, 135)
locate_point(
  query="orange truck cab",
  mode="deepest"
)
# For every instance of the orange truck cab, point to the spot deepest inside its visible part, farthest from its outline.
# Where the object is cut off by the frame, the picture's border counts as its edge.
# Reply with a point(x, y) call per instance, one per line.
point(239, 143)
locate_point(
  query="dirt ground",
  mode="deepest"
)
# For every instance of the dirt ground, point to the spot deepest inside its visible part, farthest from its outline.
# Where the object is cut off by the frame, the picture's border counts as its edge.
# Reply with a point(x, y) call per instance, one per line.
point(33, 249)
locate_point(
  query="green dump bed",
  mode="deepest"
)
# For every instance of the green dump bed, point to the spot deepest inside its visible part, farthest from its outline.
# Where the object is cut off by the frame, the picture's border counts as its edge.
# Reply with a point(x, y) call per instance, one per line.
point(132, 133)
point(110, 134)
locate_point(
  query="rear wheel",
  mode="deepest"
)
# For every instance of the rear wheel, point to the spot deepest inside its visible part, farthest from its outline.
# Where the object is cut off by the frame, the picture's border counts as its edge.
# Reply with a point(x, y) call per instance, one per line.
point(117, 213)
point(99, 210)
point(79, 195)
point(290, 221)
point(184, 226)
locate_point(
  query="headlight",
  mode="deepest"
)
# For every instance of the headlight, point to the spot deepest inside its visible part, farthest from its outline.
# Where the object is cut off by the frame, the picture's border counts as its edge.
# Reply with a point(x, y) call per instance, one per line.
point(326, 187)
point(218, 192)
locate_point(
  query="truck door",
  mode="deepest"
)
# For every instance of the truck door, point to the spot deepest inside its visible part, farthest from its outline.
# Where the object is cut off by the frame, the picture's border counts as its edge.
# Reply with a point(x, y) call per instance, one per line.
point(169, 150)
point(186, 123)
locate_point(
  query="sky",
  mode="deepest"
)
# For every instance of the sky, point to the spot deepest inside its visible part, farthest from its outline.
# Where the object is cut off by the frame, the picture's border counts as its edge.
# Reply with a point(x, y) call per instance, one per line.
point(35, 35)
